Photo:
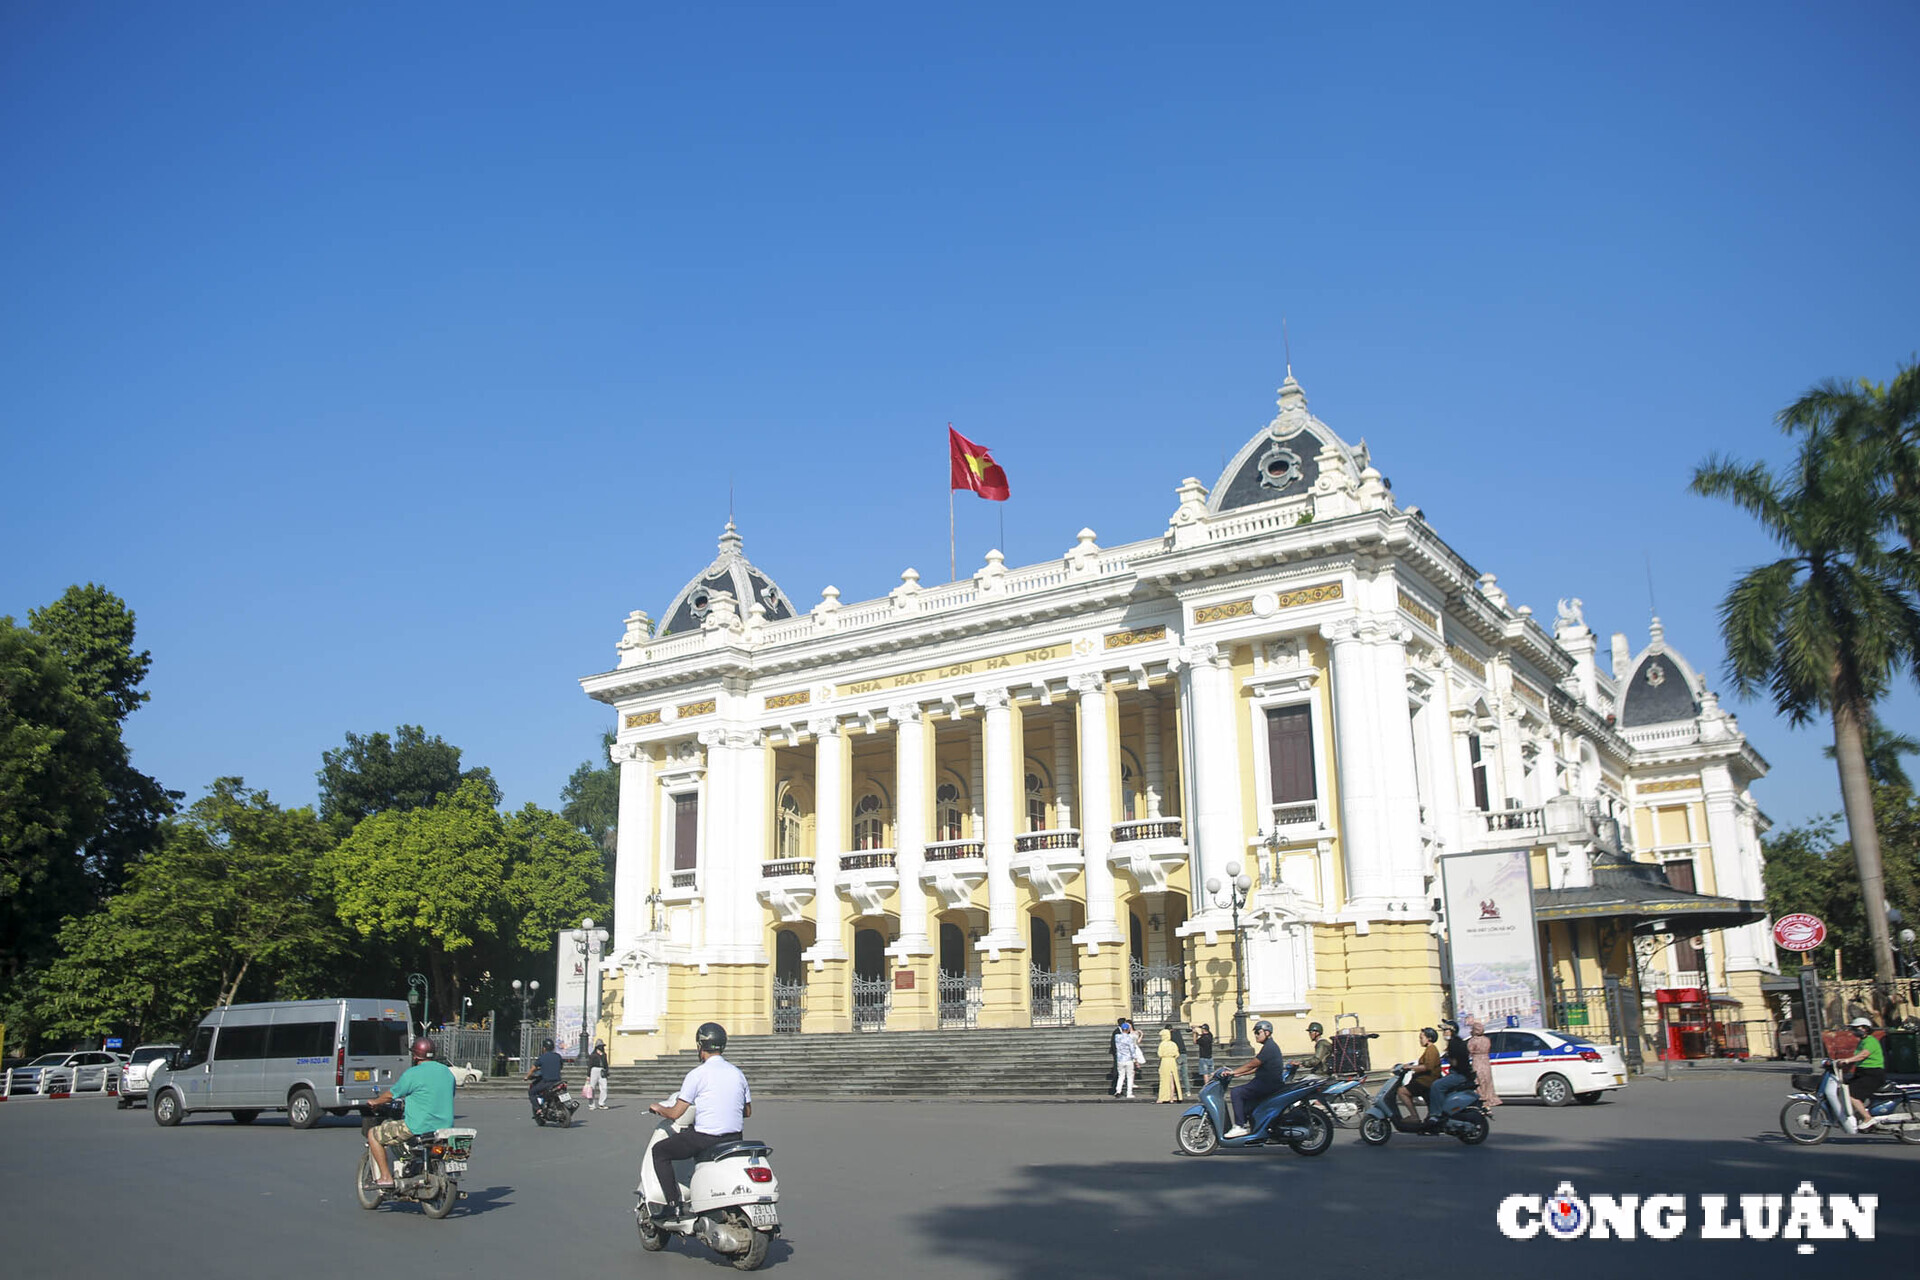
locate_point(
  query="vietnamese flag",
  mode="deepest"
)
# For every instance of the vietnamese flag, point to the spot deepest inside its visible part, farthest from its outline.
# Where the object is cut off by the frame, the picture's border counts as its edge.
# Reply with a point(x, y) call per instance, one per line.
point(975, 469)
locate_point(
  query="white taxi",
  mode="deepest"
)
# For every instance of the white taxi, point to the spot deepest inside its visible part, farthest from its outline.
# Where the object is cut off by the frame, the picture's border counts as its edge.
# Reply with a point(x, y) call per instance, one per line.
point(1553, 1067)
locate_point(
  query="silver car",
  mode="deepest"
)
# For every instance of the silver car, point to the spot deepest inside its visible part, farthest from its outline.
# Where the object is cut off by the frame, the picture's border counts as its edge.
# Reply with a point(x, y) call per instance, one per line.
point(141, 1063)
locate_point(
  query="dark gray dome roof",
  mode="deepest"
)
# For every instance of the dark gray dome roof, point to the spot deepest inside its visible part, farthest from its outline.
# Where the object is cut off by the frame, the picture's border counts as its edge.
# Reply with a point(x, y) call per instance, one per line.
point(1282, 461)
point(1660, 687)
point(732, 573)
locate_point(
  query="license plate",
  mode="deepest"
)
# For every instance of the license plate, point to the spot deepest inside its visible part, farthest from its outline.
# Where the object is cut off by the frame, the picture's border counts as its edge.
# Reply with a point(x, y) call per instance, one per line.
point(363, 1075)
point(454, 1166)
point(1619, 1079)
point(763, 1215)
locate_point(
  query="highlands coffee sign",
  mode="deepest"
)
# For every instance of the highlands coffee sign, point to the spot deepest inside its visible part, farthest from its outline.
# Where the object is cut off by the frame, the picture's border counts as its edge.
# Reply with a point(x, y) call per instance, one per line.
point(1799, 931)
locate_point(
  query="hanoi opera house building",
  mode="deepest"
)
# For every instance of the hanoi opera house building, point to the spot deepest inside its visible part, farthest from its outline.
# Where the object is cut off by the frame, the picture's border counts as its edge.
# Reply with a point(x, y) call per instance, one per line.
point(998, 802)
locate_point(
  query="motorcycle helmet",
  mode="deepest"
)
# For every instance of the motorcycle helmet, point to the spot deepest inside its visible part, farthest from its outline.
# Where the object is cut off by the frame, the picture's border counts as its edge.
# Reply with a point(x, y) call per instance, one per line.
point(1314, 1026)
point(422, 1049)
point(711, 1037)
point(1861, 1022)
point(1263, 1025)
point(547, 1045)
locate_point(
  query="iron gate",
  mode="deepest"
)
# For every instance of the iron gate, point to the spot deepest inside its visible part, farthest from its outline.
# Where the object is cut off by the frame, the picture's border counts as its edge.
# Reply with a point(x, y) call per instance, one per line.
point(1156, 991)
point(1056, 996)
point(960, 1000)
point(531, 1034)
point(789, 1004)
point(465, 1047)
point(872, 997)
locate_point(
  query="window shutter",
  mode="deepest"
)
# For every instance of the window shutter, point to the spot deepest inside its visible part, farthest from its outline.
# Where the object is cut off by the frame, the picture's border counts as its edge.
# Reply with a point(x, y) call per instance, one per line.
point(1290, 754)
point(686, 832)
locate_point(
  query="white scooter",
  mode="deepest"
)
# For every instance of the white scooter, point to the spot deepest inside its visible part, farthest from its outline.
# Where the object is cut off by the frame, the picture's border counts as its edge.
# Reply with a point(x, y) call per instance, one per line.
point(731, 1203)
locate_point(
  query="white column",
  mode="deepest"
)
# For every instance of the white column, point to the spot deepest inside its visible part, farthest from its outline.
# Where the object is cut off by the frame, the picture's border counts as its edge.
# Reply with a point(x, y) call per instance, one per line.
point(1362, 843)
point(997, 765)
point(1096, 805)
point(910, 823)
point(1729, 869)
point(1399, 779)
point(718, 873)
point(976, 782)
point(1216, 827)
point(1154, 784)
point(748, 847)
point(632, 864)
point(831, 809)
point(1063, 803)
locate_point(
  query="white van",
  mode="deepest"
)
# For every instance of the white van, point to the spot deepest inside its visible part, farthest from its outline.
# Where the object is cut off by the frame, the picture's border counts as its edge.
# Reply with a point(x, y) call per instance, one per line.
point(304, 1057)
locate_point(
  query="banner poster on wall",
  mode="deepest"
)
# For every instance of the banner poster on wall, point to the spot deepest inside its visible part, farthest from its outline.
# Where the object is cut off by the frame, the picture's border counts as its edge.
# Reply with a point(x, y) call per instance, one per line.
point(571, 985)
point(1491, 937)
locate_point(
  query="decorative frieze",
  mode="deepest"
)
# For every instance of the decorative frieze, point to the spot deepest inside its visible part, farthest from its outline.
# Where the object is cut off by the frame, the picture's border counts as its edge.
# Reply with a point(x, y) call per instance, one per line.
point(1468, 661)
point(798, 698)
point(1419, 612)
point(1319, 593)
point(1139, 635)
point(705, 707)
point(641, 719)
point(1670, 784)
point(999, 662)
point(1221, 612)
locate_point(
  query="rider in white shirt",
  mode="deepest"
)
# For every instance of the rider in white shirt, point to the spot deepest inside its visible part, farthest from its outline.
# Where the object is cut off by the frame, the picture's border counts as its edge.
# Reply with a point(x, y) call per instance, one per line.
point(718, 1093)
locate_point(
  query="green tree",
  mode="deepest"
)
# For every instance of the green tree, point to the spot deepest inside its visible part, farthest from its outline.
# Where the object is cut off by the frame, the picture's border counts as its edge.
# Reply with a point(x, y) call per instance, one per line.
point(230, 901)
point(376, 773)
point(1883, 420)
point(1809, 868)
point(427, 882)
point(53, 795)
point(1826, 626)
point(1884, 749)
point(557, 877)
point(591, 799)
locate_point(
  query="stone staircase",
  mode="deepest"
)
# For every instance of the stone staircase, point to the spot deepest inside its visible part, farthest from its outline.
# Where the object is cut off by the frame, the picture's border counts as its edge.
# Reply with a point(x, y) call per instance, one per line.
point(1053, 1064)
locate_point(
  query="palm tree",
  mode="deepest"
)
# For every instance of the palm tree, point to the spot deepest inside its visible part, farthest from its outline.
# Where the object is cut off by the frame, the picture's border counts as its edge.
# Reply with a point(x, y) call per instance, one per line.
point(1881, 418)
point(1826, 626)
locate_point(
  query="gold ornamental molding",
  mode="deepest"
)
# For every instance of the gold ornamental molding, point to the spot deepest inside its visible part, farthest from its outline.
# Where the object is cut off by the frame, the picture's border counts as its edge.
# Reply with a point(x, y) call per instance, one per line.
point(1419, 612)
point(641, 719)
point(1221, 612)
point(1319, 593)
point(1529, 695)
point(1468, 661)
point(999, 662)
point(798, 698)
point(1139, 635)
point(1671, 784)
point(703, 708)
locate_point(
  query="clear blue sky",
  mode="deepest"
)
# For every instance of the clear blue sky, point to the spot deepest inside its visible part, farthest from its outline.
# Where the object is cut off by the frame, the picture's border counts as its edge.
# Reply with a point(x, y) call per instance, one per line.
point(383, 357)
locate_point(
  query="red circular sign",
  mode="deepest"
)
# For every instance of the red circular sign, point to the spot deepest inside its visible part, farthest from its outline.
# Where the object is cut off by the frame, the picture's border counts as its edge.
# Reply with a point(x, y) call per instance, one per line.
point(1799, 931)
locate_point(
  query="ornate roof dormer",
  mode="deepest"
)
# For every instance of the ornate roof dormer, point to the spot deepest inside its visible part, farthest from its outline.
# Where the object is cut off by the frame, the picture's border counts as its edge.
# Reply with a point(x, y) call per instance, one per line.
point(731, 575)
point(1286, 458)
point(1660, 687)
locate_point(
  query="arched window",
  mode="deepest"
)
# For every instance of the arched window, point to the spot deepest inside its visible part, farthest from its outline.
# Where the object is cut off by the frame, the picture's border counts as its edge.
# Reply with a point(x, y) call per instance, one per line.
point(790, 825)
point(869, 823)
point(1036, 803)
point(946, 800)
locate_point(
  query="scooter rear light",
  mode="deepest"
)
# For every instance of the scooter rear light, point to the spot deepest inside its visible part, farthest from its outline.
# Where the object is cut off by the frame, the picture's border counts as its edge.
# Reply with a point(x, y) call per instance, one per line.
point(759, 1173)
point(1589, 1055)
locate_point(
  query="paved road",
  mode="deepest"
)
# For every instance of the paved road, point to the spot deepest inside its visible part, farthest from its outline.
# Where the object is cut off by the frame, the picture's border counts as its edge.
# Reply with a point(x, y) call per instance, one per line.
point(938, 1189)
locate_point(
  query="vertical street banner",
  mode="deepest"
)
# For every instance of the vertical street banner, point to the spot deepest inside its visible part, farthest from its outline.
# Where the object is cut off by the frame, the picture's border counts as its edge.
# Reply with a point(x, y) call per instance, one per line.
point(576, 990)
point(1491, 937)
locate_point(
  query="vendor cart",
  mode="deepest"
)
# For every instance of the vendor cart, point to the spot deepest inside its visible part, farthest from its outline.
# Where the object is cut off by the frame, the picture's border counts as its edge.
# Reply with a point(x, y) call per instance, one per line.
point(1694, 1024)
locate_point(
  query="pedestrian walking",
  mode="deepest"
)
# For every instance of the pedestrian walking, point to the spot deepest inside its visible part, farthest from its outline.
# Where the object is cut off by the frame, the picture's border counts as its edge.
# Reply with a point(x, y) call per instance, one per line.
point(1126, 1056)
point(1169, 1052)
point(1480, 1050)
point(1203, 1050)
point(597, 1075)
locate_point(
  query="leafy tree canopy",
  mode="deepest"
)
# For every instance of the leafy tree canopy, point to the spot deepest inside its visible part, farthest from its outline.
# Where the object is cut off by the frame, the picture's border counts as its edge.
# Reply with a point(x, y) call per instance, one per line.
point(558, 877)
point(591, 799)
point(92, 629)
point(375, 773)
point(1811, 868)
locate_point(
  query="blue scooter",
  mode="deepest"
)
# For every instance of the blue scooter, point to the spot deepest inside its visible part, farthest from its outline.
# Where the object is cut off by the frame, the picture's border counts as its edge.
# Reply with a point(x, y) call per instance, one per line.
point(1295, 1117)
point(1457, 1114)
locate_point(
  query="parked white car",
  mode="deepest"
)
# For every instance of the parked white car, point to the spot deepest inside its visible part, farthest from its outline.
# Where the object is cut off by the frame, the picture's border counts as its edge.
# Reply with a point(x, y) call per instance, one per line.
point(78, 1072)
point(141, 1062)
point(464, 1076)
point(1554, 1067)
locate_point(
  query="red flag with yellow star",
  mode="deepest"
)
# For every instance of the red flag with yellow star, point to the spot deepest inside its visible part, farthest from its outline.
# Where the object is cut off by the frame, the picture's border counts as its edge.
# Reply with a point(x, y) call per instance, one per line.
point(974, 469)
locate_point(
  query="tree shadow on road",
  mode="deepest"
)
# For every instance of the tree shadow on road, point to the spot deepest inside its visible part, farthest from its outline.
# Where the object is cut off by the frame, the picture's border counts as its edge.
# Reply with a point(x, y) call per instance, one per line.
point(1417, 1205)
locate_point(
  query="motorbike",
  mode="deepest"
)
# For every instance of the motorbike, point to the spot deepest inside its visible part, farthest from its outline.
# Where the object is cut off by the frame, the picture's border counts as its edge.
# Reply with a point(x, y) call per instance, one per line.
point(1819, 1105)
point(1295, 1117)
point(554, 1104)
point(731, 1200)
point(426, 1167)
point(1457, 1114)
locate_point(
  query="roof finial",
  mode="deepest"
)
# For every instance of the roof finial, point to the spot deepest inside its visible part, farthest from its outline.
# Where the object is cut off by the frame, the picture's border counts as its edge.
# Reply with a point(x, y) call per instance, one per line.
point(1287, 342)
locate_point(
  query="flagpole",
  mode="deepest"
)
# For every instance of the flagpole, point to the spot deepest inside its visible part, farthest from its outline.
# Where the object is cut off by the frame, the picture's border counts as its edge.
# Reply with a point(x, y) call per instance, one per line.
point(953, 563)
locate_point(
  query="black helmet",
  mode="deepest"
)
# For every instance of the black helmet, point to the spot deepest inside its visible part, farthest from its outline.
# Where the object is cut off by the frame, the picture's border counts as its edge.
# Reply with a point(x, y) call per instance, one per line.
point(422, 1049)
point(1314, 1026)
point(1263, 1025)
point(711, 1037)
point(546, 1044)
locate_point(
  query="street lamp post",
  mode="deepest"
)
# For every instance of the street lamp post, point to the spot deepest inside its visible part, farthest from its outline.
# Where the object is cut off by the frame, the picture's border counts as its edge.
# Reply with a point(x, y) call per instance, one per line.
point(654, 904)
point(586, 942)
point(1231, 897)
point(421, 995)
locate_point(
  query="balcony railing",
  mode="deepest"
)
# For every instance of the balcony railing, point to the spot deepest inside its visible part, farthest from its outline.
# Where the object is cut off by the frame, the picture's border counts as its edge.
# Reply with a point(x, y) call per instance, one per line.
point(1147, 829)
point(954, 850)
point(1498, 821)
point(1296, 813)
point(684, 880)
point(1036, 841)
point(786, 867)
point(870, 860)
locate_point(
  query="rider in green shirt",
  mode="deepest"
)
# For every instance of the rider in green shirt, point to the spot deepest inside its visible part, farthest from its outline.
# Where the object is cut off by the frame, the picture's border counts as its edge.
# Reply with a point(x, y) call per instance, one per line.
point(1870, 1075)
point(427, 1088)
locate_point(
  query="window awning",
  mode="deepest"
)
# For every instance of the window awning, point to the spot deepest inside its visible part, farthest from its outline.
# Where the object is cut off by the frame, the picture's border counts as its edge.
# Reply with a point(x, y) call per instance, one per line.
point(1638, 893)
